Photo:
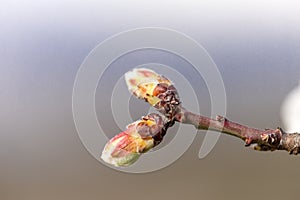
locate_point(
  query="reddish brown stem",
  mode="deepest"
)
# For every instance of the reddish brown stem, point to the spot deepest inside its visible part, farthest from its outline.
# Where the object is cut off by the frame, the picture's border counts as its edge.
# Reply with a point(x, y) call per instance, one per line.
point(269, 139)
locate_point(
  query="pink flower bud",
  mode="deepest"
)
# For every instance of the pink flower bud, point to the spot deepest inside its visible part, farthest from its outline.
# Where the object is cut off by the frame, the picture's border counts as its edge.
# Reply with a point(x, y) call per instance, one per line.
point(139, 137)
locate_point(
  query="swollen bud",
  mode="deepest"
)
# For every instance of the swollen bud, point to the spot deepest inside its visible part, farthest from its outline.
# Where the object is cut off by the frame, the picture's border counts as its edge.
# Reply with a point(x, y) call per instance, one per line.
point(139, 137)
point(157, 90)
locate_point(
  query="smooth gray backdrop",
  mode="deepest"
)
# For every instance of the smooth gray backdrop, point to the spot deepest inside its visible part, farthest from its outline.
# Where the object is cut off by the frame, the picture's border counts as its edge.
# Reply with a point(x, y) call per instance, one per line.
point(255, 45)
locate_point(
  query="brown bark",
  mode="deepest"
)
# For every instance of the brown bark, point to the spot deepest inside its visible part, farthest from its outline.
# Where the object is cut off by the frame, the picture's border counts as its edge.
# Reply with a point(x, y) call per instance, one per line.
point(263, 140)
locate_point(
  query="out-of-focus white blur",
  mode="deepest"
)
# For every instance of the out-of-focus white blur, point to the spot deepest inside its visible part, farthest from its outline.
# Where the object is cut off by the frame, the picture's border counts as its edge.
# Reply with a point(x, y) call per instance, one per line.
point(290, 112)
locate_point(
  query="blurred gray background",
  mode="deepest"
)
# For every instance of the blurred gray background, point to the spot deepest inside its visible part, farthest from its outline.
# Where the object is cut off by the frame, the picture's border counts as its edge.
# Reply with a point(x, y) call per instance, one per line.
point(255, 45)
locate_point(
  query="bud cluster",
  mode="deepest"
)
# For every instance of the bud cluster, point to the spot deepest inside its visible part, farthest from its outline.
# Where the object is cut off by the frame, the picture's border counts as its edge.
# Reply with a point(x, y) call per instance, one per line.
point(139, 137)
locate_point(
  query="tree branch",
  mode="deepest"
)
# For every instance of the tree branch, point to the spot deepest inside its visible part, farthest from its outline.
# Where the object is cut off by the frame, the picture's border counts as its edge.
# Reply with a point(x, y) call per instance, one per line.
point(264, 140)
point(142, 135)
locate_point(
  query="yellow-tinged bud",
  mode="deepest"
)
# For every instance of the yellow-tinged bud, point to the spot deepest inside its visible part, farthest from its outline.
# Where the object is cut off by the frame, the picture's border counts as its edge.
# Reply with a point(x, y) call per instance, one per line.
point(143, 83)
point(139, 137)
point(157, 90)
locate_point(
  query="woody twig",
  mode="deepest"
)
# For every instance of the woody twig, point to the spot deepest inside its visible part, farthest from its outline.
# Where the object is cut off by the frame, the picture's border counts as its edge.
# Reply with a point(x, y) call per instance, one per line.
point(142, 135)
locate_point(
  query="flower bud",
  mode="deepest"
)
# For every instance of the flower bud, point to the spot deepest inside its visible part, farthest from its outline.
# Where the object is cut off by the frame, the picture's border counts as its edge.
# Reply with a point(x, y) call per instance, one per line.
point(139, 137)
point(157, 90)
